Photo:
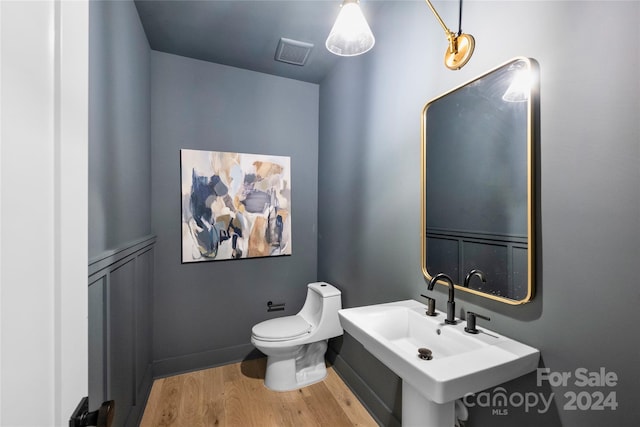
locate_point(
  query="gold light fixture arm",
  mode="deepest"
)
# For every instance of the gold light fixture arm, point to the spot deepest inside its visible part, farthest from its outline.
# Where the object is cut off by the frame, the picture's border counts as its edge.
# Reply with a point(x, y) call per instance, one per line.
point(460, 46)
point(450, 35)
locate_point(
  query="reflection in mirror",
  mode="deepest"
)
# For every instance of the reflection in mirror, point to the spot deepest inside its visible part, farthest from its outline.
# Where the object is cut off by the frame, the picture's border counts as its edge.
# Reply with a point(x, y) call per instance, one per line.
point(477, 184)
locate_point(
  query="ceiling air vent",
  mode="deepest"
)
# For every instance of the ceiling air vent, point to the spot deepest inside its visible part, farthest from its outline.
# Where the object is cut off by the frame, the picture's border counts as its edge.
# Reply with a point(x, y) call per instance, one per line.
point(293, 51)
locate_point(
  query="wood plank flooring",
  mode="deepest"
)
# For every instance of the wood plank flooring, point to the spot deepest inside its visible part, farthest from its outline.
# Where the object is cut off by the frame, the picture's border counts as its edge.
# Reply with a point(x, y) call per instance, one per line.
point(235, 396)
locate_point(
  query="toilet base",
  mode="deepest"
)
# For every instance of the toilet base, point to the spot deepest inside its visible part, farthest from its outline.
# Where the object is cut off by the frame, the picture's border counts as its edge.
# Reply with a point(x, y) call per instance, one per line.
point(302, 366)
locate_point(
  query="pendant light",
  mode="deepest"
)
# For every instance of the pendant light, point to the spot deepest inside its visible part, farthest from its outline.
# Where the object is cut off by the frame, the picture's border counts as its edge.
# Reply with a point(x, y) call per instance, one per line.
point(350, 35)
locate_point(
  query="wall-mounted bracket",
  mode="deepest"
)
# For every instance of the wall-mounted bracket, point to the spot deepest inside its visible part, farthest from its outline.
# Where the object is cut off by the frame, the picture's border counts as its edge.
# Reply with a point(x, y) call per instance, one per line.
point(103, 417)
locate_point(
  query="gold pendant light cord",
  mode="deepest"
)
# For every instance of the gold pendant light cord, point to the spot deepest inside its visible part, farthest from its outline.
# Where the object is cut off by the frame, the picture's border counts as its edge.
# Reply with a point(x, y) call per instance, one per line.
point(460, 18)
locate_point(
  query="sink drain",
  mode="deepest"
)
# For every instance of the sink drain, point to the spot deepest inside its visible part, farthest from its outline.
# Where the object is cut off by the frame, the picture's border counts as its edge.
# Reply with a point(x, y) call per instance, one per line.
point(425, 353)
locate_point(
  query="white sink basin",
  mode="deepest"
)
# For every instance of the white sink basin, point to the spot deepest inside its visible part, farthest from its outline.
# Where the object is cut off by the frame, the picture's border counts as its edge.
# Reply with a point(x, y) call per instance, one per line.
point(461, 362)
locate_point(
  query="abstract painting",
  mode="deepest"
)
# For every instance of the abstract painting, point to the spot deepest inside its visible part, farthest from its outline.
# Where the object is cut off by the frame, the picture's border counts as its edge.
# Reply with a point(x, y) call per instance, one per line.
point(234, 205)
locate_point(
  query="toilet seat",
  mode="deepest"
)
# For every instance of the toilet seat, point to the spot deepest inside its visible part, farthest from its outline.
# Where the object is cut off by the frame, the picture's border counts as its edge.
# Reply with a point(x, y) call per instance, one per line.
point(281, 329)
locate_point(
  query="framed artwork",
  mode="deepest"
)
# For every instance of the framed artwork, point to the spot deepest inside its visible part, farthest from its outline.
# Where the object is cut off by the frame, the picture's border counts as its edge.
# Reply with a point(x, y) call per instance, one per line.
point(234, 205)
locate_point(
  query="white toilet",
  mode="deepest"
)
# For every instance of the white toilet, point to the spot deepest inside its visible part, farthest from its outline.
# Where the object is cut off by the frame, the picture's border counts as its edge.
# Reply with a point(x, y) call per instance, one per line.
point(295, 345)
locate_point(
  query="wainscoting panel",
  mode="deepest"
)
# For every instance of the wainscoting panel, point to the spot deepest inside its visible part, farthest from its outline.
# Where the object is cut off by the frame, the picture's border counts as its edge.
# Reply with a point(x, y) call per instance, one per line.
point(143, 310)
point(97, 342)
point(503, 258)
point(120, 294)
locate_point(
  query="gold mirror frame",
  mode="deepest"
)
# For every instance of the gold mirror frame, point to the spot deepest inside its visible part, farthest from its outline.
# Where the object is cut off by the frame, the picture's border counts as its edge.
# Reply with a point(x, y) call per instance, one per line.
point(532, 118)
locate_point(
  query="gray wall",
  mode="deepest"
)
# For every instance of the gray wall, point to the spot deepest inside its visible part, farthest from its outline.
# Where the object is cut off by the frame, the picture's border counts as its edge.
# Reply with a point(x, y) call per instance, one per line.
point(203, 312)
point(589, 215)
point(119, 129)
point(120, 249)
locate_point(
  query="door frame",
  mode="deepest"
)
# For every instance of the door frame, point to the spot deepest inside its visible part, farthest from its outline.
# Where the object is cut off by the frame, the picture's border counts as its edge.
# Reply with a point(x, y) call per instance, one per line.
point(43, 210)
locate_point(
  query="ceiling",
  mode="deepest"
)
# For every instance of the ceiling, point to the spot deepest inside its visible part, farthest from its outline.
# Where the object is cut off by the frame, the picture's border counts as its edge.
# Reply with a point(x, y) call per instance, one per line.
point(245, 33)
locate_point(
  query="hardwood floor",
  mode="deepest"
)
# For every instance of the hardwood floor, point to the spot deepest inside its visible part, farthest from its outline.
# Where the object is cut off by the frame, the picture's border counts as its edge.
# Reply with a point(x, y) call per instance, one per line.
point(235, 396)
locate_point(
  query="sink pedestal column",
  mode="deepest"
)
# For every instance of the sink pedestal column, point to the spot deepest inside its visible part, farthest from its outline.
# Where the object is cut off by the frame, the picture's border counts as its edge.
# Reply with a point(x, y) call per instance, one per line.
point(417, 410)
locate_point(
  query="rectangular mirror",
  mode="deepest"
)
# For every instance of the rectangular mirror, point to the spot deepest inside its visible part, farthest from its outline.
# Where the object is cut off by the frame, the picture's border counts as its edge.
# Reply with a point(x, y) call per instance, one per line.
point(478, 184)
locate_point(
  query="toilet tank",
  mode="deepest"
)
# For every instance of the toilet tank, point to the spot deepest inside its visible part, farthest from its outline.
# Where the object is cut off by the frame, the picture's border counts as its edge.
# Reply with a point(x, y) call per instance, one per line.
point(321, 310)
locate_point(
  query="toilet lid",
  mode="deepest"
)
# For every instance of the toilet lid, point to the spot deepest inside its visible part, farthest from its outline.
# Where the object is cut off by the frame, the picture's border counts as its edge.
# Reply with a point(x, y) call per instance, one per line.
point(281, 328)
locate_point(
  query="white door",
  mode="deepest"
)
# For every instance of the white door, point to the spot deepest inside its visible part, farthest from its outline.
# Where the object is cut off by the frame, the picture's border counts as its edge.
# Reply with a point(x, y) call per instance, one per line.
point(43, 210)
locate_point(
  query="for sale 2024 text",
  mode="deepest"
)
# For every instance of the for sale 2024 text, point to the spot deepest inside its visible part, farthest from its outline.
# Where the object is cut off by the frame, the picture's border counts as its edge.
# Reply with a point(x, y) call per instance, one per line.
point(596, 393)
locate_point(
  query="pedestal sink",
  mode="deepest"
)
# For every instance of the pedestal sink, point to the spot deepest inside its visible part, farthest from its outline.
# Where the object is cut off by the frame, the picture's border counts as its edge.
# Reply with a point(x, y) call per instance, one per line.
point(460, 362)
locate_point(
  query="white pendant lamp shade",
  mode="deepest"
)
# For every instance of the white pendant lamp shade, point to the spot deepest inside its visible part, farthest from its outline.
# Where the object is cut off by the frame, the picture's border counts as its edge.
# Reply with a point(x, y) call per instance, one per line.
point(350, 34)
